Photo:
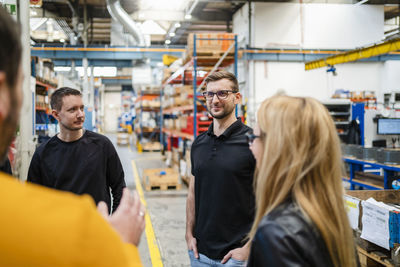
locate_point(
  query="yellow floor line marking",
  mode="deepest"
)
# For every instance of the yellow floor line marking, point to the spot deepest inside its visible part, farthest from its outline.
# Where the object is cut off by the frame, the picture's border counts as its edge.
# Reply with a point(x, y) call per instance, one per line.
point(155, 255)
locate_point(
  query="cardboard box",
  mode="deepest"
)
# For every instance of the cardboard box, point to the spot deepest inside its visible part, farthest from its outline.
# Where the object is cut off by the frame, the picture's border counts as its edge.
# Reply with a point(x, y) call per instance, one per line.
point(219, 45)
point(188, 89)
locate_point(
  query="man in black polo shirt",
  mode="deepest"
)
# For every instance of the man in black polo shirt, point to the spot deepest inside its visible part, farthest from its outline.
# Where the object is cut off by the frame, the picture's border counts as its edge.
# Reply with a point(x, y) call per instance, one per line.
point(220, 203)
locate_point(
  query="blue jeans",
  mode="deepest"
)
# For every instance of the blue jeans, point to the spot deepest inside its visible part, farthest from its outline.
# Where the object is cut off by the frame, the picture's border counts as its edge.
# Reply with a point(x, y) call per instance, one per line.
point(204, 261)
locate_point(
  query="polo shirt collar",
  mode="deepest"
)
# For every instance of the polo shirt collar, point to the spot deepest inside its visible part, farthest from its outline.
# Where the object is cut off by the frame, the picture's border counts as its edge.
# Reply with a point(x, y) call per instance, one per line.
point(228, 132)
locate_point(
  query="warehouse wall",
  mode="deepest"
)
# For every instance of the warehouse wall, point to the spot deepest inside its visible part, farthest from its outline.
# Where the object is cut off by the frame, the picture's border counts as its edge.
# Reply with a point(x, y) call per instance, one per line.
point(290, 77)
point(240, 22)
point(112, 109)
point(323, 26)
point(391, 77)
point(317, 26)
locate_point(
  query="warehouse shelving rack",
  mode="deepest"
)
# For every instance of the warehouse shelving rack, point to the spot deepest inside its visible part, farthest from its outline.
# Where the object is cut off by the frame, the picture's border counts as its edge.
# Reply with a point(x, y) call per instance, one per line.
point(43, 118)
point(197, 61)
point(194, 63)
point(144, 95)
point(389, 174)
point(343, 111)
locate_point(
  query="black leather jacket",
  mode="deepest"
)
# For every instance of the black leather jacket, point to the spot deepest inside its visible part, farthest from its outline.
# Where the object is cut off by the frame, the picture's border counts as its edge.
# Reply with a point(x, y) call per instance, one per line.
point(285, 237)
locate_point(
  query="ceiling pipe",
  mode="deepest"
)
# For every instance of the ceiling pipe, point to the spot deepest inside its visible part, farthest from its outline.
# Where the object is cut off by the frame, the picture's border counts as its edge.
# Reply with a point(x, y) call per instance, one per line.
point(118, 13)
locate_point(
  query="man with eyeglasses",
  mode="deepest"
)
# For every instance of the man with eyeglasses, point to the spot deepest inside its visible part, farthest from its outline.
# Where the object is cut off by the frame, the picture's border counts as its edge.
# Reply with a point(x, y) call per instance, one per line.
point(220, 204)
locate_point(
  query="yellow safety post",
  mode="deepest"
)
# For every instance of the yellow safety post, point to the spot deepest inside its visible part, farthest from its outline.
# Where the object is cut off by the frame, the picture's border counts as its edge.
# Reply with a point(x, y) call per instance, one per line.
point(139, 147)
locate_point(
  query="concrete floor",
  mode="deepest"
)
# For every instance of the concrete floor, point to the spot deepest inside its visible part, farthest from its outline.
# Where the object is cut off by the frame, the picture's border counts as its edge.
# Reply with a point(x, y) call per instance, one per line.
point(167, 209)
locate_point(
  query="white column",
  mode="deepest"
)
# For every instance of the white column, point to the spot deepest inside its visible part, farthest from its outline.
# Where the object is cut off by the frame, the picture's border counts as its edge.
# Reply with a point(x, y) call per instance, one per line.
point(26, 144)
point(85, 83)
point(91, 92)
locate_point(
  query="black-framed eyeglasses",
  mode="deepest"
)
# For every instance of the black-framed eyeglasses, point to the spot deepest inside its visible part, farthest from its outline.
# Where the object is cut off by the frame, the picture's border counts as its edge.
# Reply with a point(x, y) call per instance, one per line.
point(251, 137)
point(222, 94)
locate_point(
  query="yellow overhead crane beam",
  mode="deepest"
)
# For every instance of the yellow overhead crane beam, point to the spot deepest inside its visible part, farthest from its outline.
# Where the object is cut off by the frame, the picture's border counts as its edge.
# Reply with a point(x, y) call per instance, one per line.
point(357, 54)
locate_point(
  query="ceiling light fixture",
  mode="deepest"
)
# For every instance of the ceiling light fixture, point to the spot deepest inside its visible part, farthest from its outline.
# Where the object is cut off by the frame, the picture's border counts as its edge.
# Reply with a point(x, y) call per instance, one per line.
point(190, 10)
point(167, 42)
point(62, 40)
point(177, 25)
point(172, 34)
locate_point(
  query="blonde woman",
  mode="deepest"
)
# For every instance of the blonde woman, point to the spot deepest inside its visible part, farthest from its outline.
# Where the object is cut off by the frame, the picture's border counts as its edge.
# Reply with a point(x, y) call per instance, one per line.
point(300, 217)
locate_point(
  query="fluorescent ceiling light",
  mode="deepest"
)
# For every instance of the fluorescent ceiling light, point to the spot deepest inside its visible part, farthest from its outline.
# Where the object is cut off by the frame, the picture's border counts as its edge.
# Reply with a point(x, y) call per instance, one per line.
point(105, 71)
point(151, 27)
point(167, 42)
point(177, 25)
point(60, 68)
point(172, 34)
point(188, 16)
point(99, 71)
point(62, 40)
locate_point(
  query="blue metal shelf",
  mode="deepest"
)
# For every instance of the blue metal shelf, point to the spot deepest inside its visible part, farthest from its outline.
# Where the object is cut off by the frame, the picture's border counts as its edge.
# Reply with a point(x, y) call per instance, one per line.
point(360, 165)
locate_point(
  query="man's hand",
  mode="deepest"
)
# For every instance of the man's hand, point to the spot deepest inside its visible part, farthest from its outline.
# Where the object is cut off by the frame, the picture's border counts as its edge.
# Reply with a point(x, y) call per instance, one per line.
point(240, 254)
point(128, 219)
point(192, 245)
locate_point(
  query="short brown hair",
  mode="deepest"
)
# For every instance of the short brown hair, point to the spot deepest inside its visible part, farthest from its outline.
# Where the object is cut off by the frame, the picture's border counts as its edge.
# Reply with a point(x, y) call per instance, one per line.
point(10, 47)
point(216, 76)
point(58, 95)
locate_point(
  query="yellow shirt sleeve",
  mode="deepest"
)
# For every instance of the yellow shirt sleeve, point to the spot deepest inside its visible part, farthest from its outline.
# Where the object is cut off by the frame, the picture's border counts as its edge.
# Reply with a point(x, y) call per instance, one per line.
point(45, 227)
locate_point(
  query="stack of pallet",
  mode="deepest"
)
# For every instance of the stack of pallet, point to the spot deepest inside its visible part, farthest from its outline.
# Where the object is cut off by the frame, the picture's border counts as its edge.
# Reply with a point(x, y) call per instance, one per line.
point(210, 47)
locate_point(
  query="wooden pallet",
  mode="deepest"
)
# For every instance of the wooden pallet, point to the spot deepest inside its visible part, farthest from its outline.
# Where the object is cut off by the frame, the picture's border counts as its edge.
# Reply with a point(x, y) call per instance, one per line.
point(123, 139)
point(213, 54)
point(153, 179)
point(371, 255)
point(151, 147)
point(210, 60)
point(375, 258)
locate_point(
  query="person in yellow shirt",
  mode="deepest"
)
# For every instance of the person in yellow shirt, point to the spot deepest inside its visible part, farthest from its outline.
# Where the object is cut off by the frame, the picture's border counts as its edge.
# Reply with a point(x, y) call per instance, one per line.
point(44, 227)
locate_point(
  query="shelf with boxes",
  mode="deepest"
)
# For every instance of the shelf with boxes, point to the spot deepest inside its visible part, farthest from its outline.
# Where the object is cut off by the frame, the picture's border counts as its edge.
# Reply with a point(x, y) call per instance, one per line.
point(45, 123)
point(340, 110)
point(372, 168)
point(184, 109)
point(148, 114)
point(344, 114)
point(46, 82)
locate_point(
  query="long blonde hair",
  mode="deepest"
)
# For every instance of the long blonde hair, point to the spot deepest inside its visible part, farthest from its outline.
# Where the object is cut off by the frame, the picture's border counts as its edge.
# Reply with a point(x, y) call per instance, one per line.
point(302, 159)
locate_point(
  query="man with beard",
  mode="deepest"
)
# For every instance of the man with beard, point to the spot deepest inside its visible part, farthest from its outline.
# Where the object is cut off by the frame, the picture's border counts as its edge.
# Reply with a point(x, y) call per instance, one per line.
point(77, 160)
point(220, 203)
point(45, 227)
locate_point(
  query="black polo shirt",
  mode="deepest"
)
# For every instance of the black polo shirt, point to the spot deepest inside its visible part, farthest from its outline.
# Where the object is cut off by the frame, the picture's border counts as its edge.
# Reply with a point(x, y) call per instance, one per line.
point(223, 167)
